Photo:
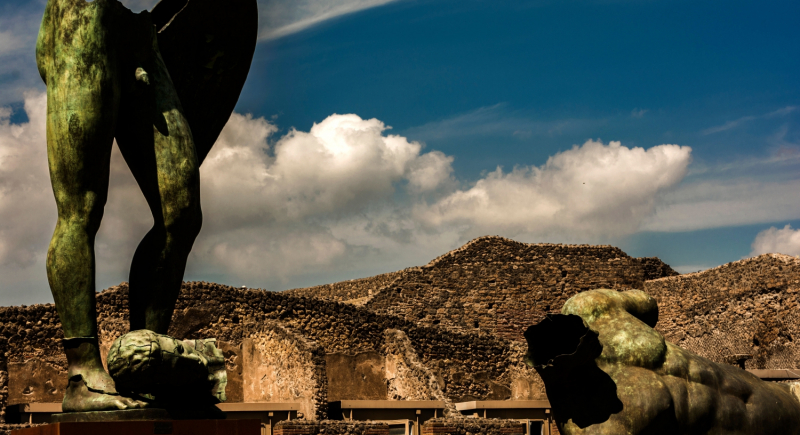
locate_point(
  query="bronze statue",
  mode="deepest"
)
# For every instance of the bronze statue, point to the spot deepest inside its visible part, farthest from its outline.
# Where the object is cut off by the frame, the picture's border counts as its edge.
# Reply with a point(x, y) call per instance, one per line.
point(607, 371)
point(163, 84)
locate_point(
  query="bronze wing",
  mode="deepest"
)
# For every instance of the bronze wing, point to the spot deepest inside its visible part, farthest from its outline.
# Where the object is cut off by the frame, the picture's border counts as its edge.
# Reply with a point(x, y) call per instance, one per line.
point(207, 46)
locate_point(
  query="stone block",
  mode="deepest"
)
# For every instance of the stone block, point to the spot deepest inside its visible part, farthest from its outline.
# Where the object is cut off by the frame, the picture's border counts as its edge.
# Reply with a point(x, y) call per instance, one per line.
point(35, 381)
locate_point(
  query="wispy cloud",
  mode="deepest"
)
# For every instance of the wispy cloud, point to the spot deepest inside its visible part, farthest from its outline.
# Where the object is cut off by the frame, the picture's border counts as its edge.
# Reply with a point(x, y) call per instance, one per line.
point(638, 113)
point(283, 17)
point(725, 202)
point(737, 122)
point(19, 25)
point(499, 120)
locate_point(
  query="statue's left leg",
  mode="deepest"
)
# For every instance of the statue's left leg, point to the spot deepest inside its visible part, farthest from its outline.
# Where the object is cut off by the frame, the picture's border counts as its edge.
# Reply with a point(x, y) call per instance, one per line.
point(157, 144)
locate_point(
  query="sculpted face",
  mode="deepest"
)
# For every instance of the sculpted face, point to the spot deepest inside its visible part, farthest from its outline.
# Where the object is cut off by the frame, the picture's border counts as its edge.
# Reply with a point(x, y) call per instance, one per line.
point(607, 371)
point(145, 363)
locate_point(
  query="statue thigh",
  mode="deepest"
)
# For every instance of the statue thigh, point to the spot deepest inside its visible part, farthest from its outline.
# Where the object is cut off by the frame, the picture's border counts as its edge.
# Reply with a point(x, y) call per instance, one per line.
point(156, 142)
point(82, 102)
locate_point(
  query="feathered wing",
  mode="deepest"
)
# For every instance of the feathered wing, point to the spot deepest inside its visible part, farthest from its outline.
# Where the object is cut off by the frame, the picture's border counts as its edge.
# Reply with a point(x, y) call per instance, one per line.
point(207, 46)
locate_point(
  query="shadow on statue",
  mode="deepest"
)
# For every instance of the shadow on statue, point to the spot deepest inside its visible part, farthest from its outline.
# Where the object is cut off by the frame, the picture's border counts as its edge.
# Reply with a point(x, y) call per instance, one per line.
point(607, 371)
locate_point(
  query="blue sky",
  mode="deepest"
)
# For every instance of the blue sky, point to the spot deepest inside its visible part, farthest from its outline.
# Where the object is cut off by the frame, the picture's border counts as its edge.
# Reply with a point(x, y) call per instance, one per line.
point(702, 98)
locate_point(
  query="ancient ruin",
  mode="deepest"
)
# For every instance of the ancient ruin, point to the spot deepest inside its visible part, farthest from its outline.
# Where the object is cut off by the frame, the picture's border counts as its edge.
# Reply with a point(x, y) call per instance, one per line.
point(448, 332)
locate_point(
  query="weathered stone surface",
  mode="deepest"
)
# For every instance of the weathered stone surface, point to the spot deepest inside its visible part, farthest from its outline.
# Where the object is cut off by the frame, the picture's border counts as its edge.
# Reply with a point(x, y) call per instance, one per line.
point(406, 376)
point(748, 307)
point(6, 429)
point(35, 381)
point(330, 427)
point(500, 286)
point(355, 291)
point(234, 364)
point(282, 366)
point(469, 426)
point(359, 376)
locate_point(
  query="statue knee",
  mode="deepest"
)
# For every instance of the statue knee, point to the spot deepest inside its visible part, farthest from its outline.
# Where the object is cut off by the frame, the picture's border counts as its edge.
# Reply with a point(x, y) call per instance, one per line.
point(84, 215)
point(184, 222)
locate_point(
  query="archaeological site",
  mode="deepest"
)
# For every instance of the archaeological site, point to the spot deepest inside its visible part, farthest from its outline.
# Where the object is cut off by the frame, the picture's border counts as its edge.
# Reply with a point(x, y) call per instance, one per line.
point(437, 348)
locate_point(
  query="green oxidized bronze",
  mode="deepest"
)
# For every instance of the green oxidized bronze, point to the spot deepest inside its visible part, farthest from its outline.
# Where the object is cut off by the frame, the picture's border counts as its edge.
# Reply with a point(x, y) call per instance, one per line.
point(154, 365)
point(163, 84)
point(607, 371)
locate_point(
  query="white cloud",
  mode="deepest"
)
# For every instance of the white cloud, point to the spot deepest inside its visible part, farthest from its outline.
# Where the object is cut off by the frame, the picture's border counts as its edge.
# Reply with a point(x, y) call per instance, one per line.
point(737, 122)
point(283, 17)
point(594, 190)
point(725, 202)
point(342, 200)
point(25, 212)
point(347, 199)
point(773, 240)
point(20, 26)
point(275, 213)
point(498, 119)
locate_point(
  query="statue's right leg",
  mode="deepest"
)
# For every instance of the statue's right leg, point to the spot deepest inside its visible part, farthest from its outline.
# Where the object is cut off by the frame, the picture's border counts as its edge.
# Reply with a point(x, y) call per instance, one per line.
point(82, 104)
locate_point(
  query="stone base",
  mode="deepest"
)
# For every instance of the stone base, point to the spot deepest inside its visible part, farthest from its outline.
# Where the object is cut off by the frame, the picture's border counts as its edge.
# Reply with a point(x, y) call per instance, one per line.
point(147, 414)
point(150, 427)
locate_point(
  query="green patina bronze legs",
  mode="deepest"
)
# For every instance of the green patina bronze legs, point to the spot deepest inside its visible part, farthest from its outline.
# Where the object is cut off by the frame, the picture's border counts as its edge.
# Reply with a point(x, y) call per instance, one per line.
point(105, 79)
point(156, 142)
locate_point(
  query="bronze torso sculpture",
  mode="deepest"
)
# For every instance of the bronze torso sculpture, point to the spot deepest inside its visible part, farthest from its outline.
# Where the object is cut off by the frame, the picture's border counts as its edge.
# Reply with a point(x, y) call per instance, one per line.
point(163, 84)
point(607, 371)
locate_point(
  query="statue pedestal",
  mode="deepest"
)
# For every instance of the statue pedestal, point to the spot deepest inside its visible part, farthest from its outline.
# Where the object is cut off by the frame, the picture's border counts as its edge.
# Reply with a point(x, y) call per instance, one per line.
point(145, 427)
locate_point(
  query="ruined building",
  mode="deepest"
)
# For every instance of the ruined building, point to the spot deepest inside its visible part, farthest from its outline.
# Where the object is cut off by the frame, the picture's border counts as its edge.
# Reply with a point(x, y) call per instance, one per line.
point(450, 330)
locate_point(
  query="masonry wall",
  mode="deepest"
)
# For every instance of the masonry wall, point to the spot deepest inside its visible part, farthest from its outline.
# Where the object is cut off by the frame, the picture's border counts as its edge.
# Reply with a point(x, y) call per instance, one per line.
point(470, 366)
point(353, 290)
point(747, 307)
point(497, 286)
point(282, 366)
point(330, 427)
point(470, 426)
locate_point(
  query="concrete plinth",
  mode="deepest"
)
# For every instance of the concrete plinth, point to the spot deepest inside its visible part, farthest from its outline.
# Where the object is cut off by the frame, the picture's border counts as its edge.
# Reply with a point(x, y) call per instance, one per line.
point(166, 427)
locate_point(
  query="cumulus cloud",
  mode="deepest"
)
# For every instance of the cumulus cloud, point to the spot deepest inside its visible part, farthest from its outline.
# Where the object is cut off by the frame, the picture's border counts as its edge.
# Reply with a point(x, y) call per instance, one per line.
point(279, 203)
point(594, 189)
point(342, 200)
point(774, 240)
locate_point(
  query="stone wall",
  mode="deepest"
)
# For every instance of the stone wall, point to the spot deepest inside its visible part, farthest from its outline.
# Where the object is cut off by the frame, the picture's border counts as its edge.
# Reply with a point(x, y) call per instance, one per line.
point(471, 366)
point(5, 429)
point(500, 287)
point(748, 307)
point(330, 427)
point(354, 290)
point(470, 426)
point(282, 366)
point(356, 377)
